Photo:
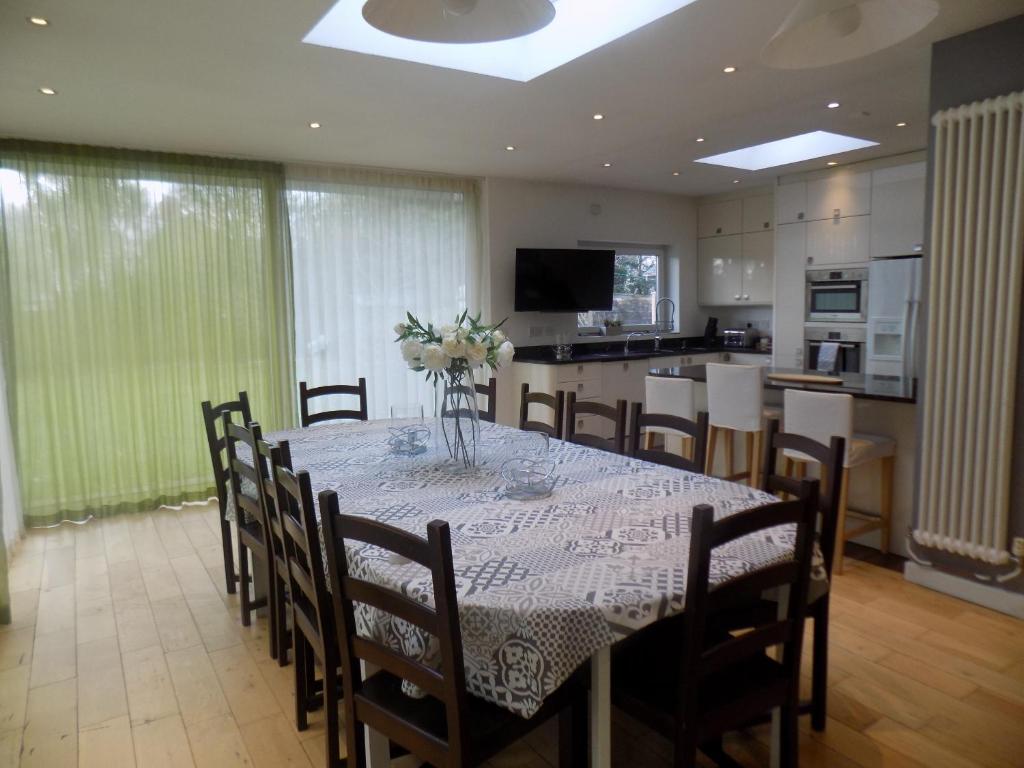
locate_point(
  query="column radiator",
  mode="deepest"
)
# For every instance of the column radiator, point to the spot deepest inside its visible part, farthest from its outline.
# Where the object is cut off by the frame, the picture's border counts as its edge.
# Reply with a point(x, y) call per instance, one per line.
point(974, 318)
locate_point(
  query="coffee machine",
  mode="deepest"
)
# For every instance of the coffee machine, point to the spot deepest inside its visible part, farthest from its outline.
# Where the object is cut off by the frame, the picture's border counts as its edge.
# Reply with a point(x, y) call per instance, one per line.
point(711, 332)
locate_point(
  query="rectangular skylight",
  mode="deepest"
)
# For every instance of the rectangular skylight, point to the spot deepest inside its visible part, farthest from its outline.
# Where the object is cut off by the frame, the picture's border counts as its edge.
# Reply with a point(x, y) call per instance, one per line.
point(579, 27)
point(806, 146)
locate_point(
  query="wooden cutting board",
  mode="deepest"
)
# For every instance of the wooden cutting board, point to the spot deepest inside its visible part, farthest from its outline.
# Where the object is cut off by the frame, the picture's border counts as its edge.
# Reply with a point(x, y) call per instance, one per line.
point(805, 378)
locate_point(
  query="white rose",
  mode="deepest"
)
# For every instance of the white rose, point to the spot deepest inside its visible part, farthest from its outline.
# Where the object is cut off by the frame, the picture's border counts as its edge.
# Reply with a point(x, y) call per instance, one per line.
point(476, 353)
point(400, 329)
point(461, 334)
point(411, 350)
point(497, 338)
point(453, 347)
point(448, 329)
point(505, 354)
point(434, 358)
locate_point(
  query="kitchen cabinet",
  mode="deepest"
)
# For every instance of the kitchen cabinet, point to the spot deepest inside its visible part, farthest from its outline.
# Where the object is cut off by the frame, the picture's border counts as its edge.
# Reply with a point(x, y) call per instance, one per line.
point(840, 193)
point(790, 294)
point(720, 270)
point(897, 210)
point(758, 249)
point(749, 358)
point(791, 203)
point(720, 218)
point(758, 213)
point(845, 240)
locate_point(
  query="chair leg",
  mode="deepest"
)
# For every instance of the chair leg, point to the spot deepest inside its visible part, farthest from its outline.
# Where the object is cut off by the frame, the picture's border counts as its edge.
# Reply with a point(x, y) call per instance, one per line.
point(331, 702)
point(685, 753)
point(730, 453)
point(243, 583)
point(572, 735)
point(844, 492)
point(229, 558)
point(282, 625)
point(712, 446)
point(888, 470)
point(819, 665)
point(301, 652)
point(789, 737)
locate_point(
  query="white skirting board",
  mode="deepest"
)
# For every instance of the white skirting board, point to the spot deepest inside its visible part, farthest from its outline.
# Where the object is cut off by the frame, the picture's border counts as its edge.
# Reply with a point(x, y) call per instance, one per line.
point(1004, 601)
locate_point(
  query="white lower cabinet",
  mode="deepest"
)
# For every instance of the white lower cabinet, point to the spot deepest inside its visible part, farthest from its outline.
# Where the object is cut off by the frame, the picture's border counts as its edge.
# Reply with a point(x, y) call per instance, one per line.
point(749, 358)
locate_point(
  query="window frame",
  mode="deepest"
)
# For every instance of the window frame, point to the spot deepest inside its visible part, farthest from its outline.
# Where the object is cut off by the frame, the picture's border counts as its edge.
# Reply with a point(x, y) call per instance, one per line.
point(631, 249)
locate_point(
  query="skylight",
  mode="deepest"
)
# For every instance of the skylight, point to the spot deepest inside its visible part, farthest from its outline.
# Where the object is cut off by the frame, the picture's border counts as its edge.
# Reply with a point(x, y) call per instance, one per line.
point(806, 146)
point(579, 27)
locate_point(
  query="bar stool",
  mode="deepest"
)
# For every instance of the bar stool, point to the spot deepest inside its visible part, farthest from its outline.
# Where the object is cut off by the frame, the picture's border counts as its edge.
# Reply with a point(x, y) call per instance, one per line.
point(669, 397)
point(735, 394)
point(819, 416)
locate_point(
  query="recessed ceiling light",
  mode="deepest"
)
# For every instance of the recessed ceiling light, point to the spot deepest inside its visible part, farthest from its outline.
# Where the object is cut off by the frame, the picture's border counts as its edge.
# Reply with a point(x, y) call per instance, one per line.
point(39, 21)
point(510, 148)
point(729, 70)
point(675, 173)
point(833, 105)
point(47, 91)
point(901, 125)
point(735, 181)
point(830, 163)
point(579, 27)
point(700, 139)
point(606, 165)
point(599, 116)
point(314, 125)
point(806, 146)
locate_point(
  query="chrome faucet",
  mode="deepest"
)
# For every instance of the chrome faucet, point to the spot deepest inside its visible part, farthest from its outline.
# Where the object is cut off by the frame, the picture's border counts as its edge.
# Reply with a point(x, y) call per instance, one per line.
point(670, 323)
point(630, 336)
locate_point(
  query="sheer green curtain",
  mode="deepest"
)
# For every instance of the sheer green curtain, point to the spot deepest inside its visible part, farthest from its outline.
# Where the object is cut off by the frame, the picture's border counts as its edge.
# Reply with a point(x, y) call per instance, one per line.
point(137, 285)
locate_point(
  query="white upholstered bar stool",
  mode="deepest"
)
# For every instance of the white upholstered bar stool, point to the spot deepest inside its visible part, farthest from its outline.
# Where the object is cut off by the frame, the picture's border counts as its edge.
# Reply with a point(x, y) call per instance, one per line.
point(819, 416)
point(671, 397)
point(735, 404)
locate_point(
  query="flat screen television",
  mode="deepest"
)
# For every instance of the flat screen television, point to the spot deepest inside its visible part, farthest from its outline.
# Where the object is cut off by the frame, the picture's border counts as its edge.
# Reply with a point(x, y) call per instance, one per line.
point(564, 280)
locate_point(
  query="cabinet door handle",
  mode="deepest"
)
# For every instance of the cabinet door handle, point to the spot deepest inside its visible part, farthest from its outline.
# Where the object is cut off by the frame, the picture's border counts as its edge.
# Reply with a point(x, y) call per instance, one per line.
point(579, 387)
point(800, 216)
point(718, 231)
point(810, 259)
point(766, 225)
point(746, 297)
point(737, 297)
point(835, 213)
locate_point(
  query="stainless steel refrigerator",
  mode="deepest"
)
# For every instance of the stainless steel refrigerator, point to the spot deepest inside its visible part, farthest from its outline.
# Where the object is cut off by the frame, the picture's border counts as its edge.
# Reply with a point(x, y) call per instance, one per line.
point(894, 301)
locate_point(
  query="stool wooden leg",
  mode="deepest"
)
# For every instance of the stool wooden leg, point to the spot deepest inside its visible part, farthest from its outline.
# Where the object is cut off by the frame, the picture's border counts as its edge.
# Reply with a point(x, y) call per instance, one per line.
point(749, 440)
point(712, 440)
point(801, 470)
point(730, 454)
point(648, 440)
point(888, 470)
point(755, 461)
point(788, 467)
point(844, 492)
point(686, 448)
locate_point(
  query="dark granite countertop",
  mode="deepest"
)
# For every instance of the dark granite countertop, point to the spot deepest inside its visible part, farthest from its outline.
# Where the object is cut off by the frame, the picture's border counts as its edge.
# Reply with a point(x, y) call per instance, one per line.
point(612, 351)
point(867, 387)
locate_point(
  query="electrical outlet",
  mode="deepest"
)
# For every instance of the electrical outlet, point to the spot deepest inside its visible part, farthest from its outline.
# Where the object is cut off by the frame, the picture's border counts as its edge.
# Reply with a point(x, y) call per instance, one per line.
point(1017, 547)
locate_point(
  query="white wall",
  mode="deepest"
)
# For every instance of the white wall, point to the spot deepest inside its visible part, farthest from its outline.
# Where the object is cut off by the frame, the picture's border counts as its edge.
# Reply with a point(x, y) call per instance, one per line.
point(528, 214)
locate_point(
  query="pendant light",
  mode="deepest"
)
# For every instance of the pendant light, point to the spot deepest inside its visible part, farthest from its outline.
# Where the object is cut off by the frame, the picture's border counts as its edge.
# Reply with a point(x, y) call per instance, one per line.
point(459, 21)
point(821, 32)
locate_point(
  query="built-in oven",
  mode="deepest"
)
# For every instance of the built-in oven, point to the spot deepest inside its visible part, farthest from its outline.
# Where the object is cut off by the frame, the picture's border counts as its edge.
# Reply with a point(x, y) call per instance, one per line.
point(849, 356)
point(837, 295)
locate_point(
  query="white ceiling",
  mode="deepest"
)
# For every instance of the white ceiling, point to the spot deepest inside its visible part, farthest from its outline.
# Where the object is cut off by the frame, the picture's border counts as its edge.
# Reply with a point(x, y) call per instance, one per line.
point(232, 77)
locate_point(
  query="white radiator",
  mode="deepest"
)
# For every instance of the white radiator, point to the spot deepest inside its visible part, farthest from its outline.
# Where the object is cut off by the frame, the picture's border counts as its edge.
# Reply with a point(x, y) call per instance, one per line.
point(974, 316)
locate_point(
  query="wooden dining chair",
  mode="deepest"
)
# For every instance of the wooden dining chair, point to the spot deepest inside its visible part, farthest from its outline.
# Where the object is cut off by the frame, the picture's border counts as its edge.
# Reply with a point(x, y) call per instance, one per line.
point(693, 683)
point(614, 413)
point(555, 402)
point(307, 393)
point(244, 483)
point(448, 728)
point(670, 425)
point(314, 640)
point(830, 459)
point(271, 456)
point(211, 421)
point(490, 391)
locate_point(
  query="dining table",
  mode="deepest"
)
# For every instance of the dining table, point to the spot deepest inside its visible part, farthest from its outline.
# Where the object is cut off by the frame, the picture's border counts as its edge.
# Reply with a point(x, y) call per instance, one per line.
point(544, 584)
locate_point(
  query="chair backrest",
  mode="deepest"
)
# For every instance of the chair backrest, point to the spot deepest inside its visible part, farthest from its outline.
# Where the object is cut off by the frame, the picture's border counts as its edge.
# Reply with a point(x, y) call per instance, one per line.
point(819, 416)
point(676, 425)
point(247, 497)
point(616, 413)
point(706, 653)
point(442, 621)
point(311, 602)
point(555, 402)
point(271, 455)
point(490, 391)
point(735, 396)
point(211, 419)
point(307, 393)
point(669, 396)
point(829, 457)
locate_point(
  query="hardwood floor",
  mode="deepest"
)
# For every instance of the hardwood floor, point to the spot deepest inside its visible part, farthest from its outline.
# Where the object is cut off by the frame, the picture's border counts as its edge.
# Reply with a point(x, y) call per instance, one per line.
point(126, 651)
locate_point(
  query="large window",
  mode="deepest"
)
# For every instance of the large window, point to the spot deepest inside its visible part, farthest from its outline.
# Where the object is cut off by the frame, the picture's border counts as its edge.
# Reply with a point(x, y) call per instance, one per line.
point(635, 295)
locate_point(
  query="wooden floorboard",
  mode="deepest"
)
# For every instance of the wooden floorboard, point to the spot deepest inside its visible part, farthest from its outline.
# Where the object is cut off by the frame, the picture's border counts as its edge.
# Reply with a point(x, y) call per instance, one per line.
point(125, 650)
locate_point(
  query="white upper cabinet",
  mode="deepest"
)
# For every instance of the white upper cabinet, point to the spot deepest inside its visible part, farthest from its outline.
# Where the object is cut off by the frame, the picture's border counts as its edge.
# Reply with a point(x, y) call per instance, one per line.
point(720, 270)
point(723, 218)
point(897, 210)
point(791, 203)
point(842, 193)
point(758, 213)
point(845, 240)
point(758, 267)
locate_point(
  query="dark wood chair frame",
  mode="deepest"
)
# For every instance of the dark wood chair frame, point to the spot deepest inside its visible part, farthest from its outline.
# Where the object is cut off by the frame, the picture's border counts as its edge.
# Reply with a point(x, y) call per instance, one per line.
point(270, 456)
point(490, 391)
point(249, 517)
point(314, 640)
point(615, 413)
point(366, 701)
point(307, 393)
point(830, 458)
point(211, 417)
point(698, 430)
point(695, 723)
point(555, 402)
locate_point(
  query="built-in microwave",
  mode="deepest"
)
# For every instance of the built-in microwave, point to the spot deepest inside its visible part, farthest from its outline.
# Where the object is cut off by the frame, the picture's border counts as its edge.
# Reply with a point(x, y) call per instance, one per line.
point(837, 295)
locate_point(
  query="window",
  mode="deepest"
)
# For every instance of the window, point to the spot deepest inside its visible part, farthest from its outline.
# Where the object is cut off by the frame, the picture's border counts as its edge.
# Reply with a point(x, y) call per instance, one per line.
point(637, 287)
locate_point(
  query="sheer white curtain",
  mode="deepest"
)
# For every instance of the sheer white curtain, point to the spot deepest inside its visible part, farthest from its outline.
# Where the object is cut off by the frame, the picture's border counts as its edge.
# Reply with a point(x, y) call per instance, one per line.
point(368, 246)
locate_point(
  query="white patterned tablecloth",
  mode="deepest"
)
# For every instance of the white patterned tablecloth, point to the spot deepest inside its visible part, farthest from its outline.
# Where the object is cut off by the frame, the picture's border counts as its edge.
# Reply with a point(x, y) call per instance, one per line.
point(542, 584)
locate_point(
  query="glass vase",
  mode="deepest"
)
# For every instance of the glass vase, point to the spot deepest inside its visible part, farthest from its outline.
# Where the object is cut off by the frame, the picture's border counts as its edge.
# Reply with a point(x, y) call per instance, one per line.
point(457, 415)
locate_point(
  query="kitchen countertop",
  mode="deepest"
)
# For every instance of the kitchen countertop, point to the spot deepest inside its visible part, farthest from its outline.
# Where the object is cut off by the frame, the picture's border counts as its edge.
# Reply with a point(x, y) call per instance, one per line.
point(862, 386)
point(613, 352)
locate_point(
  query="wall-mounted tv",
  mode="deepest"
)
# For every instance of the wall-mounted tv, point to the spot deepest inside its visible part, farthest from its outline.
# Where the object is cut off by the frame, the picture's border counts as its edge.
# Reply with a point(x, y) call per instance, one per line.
point(564, 280)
